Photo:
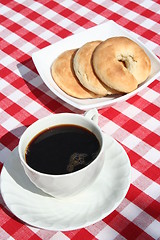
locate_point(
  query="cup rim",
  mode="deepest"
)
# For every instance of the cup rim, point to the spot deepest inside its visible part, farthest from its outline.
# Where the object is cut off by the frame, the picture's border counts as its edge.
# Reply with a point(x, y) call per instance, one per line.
point(64, 174)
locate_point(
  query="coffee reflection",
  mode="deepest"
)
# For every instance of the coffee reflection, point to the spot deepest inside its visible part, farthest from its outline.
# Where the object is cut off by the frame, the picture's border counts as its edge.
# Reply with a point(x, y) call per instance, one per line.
point(62, 149)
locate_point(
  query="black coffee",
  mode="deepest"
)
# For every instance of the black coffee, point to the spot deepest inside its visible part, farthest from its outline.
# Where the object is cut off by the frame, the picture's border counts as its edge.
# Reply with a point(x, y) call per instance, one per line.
point(62, 149)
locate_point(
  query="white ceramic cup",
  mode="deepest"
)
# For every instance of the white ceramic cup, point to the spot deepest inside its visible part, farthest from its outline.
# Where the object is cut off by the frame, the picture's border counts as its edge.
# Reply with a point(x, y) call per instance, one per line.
point(64, 185)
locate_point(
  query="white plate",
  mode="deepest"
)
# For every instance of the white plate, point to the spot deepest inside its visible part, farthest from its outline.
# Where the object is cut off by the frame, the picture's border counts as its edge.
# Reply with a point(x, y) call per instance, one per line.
point(44, 58)
point(40, 210)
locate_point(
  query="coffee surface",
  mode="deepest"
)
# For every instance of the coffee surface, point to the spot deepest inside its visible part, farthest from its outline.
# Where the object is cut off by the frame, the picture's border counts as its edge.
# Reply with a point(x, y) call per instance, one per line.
point(62, 149)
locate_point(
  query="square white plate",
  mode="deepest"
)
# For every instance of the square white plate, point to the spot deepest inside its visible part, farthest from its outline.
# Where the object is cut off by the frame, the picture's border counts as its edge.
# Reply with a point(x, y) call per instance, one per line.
point(44, 58)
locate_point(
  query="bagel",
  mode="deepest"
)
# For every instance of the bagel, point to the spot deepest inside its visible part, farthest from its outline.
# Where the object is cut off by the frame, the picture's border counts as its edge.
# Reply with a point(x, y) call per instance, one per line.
point(121, 63)
point(63, 75)
point(83, 69)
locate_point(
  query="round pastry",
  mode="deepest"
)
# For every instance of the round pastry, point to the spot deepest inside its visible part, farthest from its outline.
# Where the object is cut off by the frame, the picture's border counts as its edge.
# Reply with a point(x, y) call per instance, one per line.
point(64, 76)
point(82, 64)
point(121, 63)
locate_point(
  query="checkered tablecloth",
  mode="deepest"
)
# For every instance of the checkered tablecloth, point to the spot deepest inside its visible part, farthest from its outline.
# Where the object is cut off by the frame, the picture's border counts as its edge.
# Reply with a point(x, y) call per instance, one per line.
point(27, 26)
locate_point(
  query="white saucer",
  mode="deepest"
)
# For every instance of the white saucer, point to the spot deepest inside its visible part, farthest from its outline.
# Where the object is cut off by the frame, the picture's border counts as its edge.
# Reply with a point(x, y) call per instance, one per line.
point(38, 209)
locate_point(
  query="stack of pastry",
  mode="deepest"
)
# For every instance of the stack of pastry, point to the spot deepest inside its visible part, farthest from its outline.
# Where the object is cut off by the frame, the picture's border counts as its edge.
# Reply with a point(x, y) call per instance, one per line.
point(101, 68)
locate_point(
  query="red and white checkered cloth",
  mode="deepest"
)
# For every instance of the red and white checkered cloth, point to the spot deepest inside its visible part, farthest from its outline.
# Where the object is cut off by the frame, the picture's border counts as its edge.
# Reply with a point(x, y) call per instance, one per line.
point(27, 26)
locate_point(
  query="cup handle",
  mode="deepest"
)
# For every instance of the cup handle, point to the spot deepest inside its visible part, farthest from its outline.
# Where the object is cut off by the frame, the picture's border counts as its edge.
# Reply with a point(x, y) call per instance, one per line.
point(92, 115)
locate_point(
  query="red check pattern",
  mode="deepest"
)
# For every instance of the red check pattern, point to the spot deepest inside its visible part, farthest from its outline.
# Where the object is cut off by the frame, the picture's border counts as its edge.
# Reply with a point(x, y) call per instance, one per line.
point(27, 26)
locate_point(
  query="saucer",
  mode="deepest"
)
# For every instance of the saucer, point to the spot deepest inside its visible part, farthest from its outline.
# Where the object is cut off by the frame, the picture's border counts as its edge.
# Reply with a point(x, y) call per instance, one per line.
point(38, 209)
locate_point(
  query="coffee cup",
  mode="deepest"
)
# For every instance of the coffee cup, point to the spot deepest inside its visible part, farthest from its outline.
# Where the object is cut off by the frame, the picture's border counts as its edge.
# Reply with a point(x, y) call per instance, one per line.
point(63, 184)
